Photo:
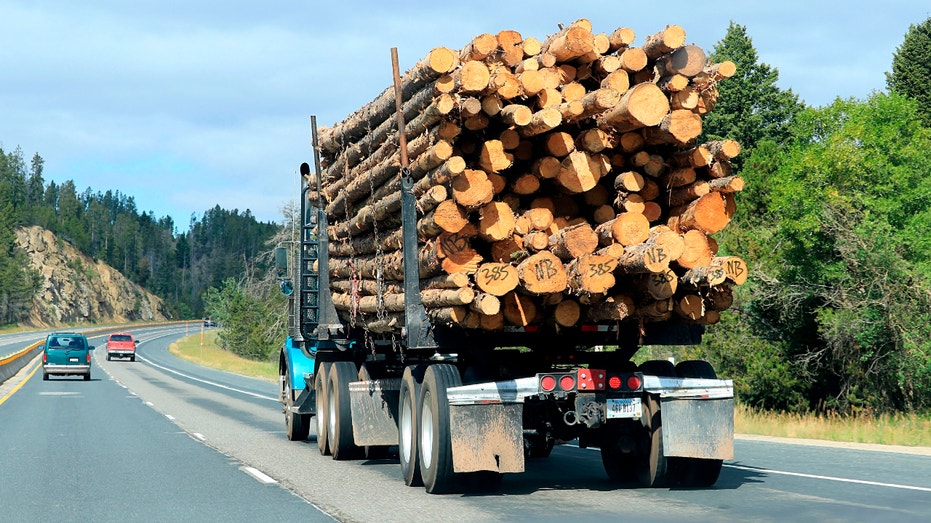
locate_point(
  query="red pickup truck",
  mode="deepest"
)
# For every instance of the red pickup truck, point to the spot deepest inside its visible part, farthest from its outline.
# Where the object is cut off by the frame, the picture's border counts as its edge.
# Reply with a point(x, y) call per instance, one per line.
point(121, 345)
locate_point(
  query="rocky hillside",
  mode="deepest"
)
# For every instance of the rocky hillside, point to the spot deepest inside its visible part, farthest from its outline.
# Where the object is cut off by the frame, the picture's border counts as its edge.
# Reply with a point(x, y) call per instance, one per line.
point(79, 289)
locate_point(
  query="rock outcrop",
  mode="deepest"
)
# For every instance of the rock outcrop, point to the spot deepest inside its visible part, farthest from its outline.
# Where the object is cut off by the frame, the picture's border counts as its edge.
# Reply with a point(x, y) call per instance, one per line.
point(78, 289)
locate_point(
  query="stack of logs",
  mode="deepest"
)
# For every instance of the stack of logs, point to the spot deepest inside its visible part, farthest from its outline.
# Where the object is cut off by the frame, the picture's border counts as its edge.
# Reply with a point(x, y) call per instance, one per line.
point(558, 183)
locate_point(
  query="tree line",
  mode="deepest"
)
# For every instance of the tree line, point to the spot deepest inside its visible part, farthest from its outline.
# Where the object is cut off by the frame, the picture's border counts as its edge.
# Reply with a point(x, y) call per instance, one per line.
point(176, 266)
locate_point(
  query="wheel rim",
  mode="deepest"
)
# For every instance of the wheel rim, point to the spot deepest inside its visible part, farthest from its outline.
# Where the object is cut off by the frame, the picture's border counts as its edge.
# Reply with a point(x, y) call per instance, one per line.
point(407, 430)
point(426, 431)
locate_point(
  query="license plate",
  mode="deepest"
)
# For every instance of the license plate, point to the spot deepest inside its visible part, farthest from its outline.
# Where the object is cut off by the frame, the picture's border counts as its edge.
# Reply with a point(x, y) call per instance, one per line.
point(73, 360)
point(624, 408)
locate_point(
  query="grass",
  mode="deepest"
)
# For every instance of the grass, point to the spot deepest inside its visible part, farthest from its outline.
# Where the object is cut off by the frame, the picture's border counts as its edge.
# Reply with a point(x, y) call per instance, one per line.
point(887, 429)
point(202, 349)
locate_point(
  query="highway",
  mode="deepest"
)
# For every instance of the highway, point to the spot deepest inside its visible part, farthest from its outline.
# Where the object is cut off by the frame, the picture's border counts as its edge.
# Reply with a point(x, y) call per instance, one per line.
point(161, 439)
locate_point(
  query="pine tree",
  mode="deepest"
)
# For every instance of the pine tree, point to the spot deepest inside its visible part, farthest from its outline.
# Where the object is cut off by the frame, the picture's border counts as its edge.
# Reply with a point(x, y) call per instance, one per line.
point(751, 107)
point(911, 68)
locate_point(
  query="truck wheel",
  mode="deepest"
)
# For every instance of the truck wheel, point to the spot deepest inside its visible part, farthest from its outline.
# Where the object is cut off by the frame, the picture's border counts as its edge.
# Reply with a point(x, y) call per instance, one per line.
point(297, 426)
point(436, 453)
point(697, 472)
point(321, 406)
point(339, 412)
point(652, 467)
point(620, 466)
point(371, 452)
point(407, 426)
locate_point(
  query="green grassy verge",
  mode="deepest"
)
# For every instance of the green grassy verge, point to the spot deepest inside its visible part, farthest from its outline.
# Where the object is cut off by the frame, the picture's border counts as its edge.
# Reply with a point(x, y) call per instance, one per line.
point(203, 350)
point(899, 429)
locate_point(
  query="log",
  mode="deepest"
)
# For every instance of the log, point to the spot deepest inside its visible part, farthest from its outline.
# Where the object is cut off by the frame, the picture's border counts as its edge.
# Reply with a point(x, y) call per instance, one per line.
point(735, 268)
point(688, 60)
point(510, 46)
point(438, 61)
point(574, 241)
point(496, 279)
point(591, 274)
point(472, 189)
point(542, 273)
point(627, 228)
point(660, 285)
point(566, 313)
point(450, 216)
point(496, 221)
point(704, 276)
point(697, 252)
point(663, 42)
point(709, 213)
point(486, 304)
point(493, 158)
point(689, 306)
point(618, 307)
point(581, 170)
point(678, 128)
point(519, 310)
point(542, 121)
point(643, 105)
point(572, 42)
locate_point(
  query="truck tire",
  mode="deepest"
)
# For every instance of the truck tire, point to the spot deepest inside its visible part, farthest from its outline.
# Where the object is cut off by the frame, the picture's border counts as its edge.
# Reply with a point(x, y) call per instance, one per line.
point(321, 404)
point(436, 452)
point(372, 452)
point(620, 466)
point(697, 472)
point(339, 412)
point(407, 426)
point(297, 426)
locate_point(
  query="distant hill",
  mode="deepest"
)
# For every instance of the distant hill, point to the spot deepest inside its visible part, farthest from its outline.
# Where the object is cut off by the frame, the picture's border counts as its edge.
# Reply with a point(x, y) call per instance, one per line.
point(78, 289)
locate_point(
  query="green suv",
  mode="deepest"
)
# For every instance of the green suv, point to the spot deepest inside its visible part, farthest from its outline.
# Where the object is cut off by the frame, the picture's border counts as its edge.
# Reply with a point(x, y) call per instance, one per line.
point(66, 354)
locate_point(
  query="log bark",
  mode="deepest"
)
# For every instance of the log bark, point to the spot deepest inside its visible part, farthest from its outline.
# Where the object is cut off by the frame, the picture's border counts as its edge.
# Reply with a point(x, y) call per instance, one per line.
point(573, 242)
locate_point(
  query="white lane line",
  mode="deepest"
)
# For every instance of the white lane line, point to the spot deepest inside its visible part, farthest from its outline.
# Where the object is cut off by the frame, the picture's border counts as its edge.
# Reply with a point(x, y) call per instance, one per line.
point(259, 475)
point(199, 436)
point(169, 416)
point(166, 369)
point(831, 478)
point(810, 476)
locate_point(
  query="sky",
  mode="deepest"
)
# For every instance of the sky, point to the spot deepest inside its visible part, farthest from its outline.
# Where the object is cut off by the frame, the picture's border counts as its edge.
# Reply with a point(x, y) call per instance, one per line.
point(188, 105)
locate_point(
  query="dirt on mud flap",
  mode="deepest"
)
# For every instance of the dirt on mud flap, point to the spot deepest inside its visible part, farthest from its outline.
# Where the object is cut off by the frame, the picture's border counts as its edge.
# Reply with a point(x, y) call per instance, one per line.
point(698, 428)
point(487, 437)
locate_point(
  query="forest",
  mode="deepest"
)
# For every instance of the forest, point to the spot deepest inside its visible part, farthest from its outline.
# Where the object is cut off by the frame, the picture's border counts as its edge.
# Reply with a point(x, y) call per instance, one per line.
point(833, 223)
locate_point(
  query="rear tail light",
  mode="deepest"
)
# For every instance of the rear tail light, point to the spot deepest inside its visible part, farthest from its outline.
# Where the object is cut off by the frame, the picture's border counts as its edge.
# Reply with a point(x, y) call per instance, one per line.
point(88, 356)
point(547, 383)
point(625, 382)
point(567, 382)
point(44, 357)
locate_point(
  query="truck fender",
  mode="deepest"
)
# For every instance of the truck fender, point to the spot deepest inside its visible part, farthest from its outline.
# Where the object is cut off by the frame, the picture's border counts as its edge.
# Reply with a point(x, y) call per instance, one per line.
point(299, 364)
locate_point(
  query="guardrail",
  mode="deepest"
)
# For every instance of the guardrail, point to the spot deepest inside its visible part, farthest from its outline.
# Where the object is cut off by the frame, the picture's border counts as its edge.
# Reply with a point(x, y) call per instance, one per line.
point(10, 365)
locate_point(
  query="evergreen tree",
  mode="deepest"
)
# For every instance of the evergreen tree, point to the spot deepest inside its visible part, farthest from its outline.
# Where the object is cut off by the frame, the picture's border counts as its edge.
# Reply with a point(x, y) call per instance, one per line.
point(911, 68)
point(750, 107)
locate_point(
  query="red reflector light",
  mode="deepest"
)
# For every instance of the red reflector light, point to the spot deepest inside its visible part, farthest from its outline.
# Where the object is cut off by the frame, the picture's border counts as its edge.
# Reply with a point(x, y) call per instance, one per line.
point(614, 382)
point(547, 383)
point(587, 327)
point(567, 382)
point(531, 328)
point(633, 383)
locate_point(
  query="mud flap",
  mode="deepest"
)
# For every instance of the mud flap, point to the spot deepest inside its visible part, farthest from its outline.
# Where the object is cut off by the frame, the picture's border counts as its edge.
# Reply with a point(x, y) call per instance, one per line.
point(698, 428)
point(487, 437)
point(374, 407)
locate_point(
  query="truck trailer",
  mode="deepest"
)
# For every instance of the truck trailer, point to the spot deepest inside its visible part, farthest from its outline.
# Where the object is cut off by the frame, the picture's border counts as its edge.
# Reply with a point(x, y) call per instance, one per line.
point(382, 356)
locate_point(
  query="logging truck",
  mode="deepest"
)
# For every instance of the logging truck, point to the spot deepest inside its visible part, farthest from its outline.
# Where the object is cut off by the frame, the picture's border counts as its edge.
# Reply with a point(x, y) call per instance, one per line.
point(472, 298)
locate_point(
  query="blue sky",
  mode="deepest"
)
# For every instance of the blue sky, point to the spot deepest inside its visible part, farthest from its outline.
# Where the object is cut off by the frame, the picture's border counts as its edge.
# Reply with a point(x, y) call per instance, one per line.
point(185, 105)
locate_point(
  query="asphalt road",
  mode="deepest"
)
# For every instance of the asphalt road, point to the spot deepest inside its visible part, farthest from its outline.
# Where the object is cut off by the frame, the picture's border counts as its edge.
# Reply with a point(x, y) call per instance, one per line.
point(204, 428)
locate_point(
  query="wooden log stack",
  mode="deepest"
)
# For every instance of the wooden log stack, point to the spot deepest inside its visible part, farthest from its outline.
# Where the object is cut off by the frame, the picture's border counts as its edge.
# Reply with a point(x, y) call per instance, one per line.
point(559, 182)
